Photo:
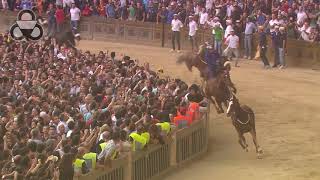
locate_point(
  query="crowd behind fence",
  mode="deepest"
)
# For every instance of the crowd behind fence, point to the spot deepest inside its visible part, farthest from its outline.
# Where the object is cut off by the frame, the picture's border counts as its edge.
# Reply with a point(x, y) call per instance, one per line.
point(185, 145)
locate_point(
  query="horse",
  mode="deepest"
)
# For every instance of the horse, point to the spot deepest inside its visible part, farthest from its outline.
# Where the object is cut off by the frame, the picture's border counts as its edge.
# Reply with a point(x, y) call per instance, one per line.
point(243, 119)
point(66, 36)
point(217, 87)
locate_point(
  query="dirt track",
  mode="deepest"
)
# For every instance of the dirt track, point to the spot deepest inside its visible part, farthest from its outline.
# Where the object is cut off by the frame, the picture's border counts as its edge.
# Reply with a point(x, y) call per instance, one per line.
point(286, 104)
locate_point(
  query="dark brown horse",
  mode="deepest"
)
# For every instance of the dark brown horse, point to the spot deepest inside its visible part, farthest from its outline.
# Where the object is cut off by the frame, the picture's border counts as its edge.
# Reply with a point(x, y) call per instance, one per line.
point(243, 120)
point(217, 87)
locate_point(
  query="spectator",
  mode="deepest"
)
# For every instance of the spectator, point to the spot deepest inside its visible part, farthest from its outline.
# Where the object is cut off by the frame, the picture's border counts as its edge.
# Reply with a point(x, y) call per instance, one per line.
point(132, 12)
point(263, 47)
point(51, 21)
point(59, 18)
point(203, 17)
point(248, 33)
point(193, 27)
point(140, 12)
point(110, 10)
point(282, 47)
point(75, 14)
point(276, 42)
point(176, 25)
point(232, 43)
point(218, 37)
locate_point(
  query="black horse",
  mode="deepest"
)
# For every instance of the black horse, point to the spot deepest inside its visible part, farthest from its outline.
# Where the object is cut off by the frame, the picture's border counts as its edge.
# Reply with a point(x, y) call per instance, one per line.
point(243, 120)
point(67, 36)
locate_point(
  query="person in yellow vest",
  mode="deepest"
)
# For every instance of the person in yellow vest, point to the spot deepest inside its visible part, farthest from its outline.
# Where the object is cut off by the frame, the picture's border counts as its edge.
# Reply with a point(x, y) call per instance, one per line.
point(91, 159)
point(141, 130)
point(165, 127)
point(137, 141)
point(110, 150)
point(80, 165)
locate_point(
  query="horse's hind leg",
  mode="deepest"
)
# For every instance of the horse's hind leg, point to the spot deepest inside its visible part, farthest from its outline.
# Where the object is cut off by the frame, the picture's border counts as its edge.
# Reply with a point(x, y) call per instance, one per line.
point(255, 141)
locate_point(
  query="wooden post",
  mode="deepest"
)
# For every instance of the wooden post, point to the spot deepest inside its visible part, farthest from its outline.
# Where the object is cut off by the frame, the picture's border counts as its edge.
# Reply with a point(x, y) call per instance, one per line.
point(128, 167)
point(173, 151)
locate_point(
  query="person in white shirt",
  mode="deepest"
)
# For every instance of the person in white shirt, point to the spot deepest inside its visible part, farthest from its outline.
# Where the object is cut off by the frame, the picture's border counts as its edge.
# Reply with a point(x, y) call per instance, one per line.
point(273, 22)
point(209, 4)
point(232, 43)
point(301, 16)
point(228, 28)
point(203, 17)
point(176, 25)
point(193, 27)
point(75, 14)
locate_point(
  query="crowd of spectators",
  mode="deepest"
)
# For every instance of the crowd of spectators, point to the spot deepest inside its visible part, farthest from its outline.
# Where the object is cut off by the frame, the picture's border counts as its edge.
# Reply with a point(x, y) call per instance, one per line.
point(65, 112)
point(300, 18)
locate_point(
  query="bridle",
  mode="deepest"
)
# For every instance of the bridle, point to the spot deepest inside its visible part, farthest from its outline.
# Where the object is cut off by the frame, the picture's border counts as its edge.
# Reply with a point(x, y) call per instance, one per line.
point(235, 114)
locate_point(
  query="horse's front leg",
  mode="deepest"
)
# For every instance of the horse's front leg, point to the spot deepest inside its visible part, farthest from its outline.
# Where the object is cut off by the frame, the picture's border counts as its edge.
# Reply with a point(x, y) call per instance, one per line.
point(255, 141)
point(241, 140)
point(215, 105)
point(219, 103)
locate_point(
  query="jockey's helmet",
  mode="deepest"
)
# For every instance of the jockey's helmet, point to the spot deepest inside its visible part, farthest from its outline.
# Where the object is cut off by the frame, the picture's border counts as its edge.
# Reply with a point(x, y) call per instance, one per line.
point(227, 63)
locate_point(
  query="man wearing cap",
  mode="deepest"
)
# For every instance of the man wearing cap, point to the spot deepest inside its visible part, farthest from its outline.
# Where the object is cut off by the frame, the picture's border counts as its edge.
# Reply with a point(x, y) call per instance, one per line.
point(248, 32)
point(232, 43)
point(176, 25)
point(263, 47)
point(193, 27)
point(275, 36)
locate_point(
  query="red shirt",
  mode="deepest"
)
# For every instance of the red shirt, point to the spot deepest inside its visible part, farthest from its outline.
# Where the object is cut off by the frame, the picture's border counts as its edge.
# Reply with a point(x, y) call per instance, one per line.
point(60, 16)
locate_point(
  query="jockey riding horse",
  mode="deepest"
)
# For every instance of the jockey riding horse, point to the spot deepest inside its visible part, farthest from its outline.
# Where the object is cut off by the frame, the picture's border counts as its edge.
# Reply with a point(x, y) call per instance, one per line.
point(216, 64)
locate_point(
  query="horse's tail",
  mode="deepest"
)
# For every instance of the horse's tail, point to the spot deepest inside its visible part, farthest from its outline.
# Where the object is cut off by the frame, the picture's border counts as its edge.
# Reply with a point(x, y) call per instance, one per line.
point(187, 59)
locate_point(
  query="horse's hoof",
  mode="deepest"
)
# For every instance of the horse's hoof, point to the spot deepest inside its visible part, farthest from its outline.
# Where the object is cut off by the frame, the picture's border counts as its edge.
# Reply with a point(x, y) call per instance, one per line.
point(247, 150)
point(259, 156)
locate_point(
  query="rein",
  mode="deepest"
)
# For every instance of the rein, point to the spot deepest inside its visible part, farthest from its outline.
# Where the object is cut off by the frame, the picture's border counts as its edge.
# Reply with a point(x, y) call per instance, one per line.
point(203, 61)
point(243, 123)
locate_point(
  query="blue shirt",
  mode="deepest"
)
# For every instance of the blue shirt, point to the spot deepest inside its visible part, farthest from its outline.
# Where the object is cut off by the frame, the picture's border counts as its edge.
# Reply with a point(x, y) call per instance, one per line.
point(170, 16)
point(110, 11)
point(26, 4)
point(261, 19)
point(250, 28)
point(276, 38)
point(211, 58)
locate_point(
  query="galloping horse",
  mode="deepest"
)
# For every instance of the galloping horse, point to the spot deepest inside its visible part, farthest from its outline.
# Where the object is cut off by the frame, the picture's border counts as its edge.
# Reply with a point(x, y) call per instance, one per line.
point(66, 36)
point(217, 87)
point(243, 120)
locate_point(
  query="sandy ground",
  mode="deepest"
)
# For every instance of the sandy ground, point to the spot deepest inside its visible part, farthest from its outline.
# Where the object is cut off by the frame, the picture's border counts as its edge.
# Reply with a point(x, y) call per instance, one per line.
point(286, 104)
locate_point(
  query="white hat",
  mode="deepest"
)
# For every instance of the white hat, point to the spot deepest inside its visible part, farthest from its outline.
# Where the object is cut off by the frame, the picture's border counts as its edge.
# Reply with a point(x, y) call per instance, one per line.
point(43, 114)
point(60, 56)
point(281, 28)
point(229, 21)
point(77, 35)
point(276, 27)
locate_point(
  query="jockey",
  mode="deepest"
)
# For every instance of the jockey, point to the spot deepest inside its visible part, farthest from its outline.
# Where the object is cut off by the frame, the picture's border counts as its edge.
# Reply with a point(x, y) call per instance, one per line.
point(226, 70)
point(211, 57)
